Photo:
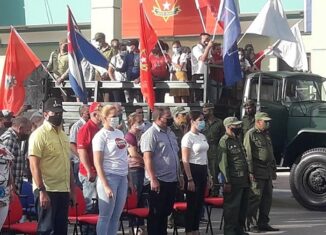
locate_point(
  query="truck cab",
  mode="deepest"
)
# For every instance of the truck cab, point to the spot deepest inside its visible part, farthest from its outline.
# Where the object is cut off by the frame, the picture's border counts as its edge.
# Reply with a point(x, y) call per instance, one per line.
point(296, 102)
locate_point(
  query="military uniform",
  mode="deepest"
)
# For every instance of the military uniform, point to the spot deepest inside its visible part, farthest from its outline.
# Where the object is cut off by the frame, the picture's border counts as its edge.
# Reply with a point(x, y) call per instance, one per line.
point(262, 165)
point(213, 132)
point(58, 64)
point(248, 122)
point(233, 166)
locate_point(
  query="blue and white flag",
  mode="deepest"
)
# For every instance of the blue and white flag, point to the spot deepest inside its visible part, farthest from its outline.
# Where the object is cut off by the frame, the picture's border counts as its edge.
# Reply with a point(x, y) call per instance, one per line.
point(79, 51)
point(229, 21)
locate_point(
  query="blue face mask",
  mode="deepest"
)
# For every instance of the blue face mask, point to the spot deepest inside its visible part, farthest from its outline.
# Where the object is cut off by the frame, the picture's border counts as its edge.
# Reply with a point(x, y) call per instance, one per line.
point(201, 125)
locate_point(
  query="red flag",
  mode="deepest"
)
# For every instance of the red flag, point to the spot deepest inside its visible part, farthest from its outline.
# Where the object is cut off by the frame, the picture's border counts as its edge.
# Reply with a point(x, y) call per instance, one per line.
point(19, 64)
point(213, 6)
point(148, 40)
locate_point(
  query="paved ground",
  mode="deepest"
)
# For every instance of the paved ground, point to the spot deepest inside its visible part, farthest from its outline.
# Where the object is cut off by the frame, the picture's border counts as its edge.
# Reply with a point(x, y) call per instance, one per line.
point(286, 214)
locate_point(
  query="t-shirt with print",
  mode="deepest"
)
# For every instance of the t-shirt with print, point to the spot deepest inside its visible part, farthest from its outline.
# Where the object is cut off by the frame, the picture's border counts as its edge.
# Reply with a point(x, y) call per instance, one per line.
point(114, 148)
point(198, 146)
point(6, 159)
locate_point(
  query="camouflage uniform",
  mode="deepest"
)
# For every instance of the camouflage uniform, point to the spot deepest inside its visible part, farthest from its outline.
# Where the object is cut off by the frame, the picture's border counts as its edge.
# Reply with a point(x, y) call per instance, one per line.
point(233, 166)
point(262, 165)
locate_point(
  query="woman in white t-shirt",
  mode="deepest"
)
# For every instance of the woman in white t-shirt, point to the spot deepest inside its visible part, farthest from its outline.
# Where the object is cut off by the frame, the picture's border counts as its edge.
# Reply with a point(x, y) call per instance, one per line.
point(194, 157)
point(111, 163)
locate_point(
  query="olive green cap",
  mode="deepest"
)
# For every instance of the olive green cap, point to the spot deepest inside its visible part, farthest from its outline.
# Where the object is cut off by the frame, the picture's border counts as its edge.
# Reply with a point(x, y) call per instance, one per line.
point(231, 121)
point(249, 103)
point(208, 106)
point(99, 36)
point(177, 110)
point(262, 116)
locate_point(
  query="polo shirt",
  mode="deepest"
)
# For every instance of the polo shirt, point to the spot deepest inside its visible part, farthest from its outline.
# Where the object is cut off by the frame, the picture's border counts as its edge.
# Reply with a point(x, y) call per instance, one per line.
point(84, 141)
point(164, 147)
point(52, 147)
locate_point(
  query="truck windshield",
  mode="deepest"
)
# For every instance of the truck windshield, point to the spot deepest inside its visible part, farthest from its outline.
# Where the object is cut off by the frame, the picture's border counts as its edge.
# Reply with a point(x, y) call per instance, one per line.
point(304, 90)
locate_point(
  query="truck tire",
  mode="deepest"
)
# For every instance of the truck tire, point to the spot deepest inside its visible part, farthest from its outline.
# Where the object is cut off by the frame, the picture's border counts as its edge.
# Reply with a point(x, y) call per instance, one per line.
point(308, 179)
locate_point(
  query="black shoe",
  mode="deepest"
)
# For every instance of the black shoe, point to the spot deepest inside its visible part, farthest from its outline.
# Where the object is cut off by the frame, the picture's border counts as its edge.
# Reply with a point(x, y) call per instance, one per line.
point(268, 228)
point(254, 229)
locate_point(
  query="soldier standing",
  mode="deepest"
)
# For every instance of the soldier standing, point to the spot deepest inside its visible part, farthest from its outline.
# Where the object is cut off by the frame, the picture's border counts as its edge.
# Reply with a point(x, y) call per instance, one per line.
point(262, 169)
point(233, 166)
point(213, 131)
point(248, 120)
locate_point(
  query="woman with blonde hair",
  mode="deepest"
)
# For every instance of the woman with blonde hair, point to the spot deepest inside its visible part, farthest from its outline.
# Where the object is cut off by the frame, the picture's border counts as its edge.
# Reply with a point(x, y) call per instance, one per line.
point(111, 163)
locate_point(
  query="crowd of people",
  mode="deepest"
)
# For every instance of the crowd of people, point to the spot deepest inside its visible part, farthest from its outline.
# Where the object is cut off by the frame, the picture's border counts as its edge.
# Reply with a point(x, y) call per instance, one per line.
point(181, 152)
point(182, 64)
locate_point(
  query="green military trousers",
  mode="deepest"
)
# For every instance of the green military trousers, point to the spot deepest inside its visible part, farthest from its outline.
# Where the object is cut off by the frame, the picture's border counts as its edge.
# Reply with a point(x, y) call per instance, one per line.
point(235, 210)
point(262, 201)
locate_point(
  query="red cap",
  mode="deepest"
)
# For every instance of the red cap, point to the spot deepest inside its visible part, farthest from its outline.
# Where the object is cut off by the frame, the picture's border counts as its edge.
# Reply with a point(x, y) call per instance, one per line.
point(94, 107)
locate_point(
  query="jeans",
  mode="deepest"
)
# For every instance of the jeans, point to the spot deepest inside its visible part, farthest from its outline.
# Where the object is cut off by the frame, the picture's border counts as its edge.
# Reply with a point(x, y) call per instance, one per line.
point(89, 192)
point(110, 209)
point(53, 220)
point(3, 214)
point(160, 207)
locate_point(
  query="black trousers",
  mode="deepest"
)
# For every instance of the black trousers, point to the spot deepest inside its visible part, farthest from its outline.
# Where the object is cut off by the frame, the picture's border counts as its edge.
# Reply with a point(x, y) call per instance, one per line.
point(160, 207)
point(195, 200)
point(53, 220)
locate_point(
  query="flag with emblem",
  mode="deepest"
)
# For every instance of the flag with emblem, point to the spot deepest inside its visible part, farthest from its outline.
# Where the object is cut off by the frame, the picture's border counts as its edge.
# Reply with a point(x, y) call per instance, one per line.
point(20, 62)
point(148, 40)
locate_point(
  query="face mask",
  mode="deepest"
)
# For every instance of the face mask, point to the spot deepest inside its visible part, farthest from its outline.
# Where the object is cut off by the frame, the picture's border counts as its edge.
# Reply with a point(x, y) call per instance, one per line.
point(140, 127)
point(129, 48)
point(123, 53)
point(169, 121)
point(176, 50)
point(7, 124)
point(55, 120)
point(114, 122)
point(23, 137)
point(201, 125)
point(236, 131)
point(97, 44)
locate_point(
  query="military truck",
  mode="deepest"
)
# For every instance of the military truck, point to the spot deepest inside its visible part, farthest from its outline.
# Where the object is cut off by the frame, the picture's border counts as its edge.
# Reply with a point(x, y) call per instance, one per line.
point(296, 102)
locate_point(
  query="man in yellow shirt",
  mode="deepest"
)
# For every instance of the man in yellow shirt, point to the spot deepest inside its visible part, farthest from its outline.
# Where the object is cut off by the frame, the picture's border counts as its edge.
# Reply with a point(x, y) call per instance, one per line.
point(51, 170)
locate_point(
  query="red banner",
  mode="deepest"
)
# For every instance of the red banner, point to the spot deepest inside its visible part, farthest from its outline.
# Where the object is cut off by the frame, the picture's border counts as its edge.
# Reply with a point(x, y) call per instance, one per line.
point(148, 39)
point(19, 64)
point(169, 17)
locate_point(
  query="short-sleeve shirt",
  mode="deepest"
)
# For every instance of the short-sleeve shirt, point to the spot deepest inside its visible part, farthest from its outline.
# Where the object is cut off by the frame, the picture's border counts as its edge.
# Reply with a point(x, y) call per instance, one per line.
point(197, 66)
point(6, 159)
point(164, 147)
point(159, 67)
point(114, 148)
point(52, 148)
point(84, 141)
point(117, 62)
point(134, 161)
point(198, 146)
point(74, 130)
point(178, 59)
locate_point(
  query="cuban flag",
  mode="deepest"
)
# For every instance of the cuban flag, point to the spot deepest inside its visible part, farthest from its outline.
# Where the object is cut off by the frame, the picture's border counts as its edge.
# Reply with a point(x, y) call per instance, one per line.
point(79, 49)
point(229, 21)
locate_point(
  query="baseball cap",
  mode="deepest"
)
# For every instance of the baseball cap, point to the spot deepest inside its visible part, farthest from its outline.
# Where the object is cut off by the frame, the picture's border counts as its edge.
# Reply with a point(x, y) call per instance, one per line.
point(177, 110)
point(99, 36)
point(231, 121)
point(262, 116)
point(94, 107)
point(208, 106)
point(6, 114)
point(53, 104)
point(249, 103)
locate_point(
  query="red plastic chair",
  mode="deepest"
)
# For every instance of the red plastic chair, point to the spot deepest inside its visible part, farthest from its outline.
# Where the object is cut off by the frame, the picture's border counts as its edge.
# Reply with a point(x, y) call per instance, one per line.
point(15, 213)
point(77, 213)
point(178, 207)
point(210, 203)
point(134, 212)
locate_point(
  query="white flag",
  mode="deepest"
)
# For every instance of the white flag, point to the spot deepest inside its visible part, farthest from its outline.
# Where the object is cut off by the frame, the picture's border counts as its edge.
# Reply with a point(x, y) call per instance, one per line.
point(293, 53)
point(272, 22)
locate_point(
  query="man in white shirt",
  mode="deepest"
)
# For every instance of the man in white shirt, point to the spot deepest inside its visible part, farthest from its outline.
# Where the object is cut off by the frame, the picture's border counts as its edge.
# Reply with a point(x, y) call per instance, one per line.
point(199, 57)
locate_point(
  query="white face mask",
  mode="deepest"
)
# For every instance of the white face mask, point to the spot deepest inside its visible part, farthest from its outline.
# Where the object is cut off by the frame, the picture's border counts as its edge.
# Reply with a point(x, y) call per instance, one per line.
point(176, 50)
point(141, 127)
point(114, 122)
point(129, 48)
point(97, 44)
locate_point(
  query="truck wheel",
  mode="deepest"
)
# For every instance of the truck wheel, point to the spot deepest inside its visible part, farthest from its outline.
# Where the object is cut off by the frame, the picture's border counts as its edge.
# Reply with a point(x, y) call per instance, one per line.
point(308, 179)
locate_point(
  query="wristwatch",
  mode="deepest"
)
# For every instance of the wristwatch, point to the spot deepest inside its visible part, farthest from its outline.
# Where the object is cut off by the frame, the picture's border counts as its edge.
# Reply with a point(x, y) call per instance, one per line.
point(41, 189)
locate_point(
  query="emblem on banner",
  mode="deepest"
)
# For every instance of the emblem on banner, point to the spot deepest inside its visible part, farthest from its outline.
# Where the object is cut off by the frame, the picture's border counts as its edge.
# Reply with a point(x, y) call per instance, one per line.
point(143, 61)
point(166, 9)
point(10, 81)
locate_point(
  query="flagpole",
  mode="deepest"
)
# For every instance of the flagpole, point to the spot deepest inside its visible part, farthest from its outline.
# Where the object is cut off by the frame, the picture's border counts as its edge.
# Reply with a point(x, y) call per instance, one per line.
point(269, 50)
point(201, 16)
point(46, 70)
point(241, 38)
point(215, 28)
